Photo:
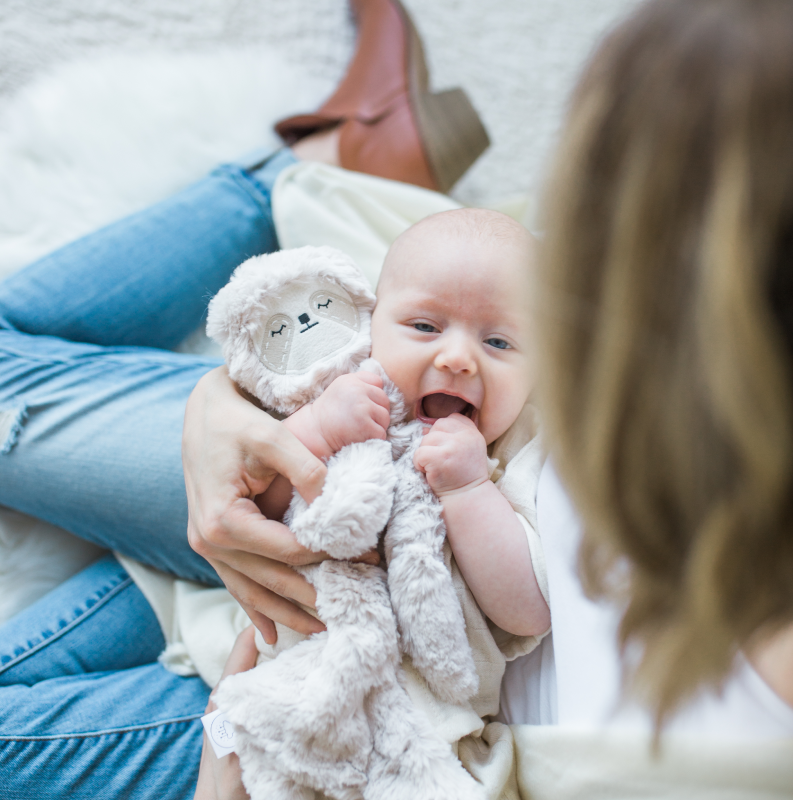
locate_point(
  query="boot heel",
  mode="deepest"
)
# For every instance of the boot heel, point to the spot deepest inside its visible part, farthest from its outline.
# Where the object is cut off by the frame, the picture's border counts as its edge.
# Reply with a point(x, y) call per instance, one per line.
point(392, 125)
point(452, 134)
point(450, 129)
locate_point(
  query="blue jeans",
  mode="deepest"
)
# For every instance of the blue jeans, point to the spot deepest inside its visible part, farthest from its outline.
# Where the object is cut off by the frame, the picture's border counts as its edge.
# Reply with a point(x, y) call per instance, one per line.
point(91, 412)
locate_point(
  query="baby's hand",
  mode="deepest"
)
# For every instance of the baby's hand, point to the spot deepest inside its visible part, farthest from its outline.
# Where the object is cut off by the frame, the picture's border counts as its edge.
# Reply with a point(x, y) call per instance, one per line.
point(353, 408)
point(453, 456)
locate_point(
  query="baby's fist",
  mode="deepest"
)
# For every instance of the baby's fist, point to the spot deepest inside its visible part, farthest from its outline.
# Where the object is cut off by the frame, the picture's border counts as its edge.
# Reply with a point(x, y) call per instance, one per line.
point(452, 455)
point(354, 408)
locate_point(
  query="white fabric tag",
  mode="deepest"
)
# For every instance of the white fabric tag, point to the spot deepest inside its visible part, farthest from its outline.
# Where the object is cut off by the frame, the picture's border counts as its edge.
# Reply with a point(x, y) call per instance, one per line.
point(220, 733)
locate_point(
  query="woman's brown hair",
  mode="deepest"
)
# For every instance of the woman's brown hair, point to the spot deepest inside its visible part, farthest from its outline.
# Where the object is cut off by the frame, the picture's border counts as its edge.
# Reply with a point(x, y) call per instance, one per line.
point(665, 332)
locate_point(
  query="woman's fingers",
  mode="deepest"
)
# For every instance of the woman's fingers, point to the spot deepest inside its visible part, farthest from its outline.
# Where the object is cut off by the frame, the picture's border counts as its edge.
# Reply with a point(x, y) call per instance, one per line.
point(242, 657)
point(253, 596)
point(272, 575)
point(244, 653)
point(244, 528)
point(220, 778)
point(279, 450)
point(266, 627)
point(249, 530)
point(245, 539)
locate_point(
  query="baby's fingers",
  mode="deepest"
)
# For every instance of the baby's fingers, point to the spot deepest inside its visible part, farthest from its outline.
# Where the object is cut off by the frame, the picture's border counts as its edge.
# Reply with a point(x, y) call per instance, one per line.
point(434, 438)
point(369, 377)
point(378, 396)
point(424, 457)
point(455, 423)
point(381, 416)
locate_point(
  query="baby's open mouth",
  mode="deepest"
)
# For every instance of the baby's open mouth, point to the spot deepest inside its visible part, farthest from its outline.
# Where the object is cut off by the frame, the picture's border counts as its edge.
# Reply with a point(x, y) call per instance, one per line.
point(438, 406)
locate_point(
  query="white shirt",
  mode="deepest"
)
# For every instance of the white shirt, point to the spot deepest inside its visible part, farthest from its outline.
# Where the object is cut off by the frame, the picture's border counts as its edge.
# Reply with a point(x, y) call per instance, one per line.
point(575, 677)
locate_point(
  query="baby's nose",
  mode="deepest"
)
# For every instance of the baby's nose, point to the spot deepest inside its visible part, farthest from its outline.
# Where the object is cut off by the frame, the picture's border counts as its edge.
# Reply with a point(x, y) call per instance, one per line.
point(457, 355)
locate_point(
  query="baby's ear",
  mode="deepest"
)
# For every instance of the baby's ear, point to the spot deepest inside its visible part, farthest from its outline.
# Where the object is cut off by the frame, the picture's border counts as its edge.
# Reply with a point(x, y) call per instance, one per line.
point(291, 322)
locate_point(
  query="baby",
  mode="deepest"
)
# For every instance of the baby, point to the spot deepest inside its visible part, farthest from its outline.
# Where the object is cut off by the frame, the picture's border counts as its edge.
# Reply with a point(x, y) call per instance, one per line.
point(451, 328)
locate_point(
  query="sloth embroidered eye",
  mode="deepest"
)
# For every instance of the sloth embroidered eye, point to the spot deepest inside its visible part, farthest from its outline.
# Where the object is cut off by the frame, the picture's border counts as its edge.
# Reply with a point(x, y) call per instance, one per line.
point(275, 342)
point(336, 307)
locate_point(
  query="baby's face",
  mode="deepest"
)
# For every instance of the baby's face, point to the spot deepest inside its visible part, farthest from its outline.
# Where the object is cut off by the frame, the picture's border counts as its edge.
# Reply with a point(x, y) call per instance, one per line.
point(452, 327)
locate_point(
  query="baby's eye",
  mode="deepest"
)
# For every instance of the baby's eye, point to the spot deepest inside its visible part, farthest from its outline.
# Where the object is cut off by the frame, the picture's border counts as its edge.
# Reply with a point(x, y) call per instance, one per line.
point(500, 344)
point(424, 327)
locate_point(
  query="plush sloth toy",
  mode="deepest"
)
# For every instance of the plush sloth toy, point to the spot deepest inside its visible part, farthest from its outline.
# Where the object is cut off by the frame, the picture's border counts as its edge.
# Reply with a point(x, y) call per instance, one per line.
point(330, 714)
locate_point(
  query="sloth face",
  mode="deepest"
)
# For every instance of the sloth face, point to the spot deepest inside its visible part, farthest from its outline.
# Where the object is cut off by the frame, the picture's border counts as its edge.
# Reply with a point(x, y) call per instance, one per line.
point(311, 321)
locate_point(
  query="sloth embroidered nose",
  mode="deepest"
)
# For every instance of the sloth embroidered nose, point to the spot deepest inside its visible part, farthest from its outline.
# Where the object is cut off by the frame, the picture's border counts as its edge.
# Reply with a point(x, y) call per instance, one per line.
point(306, 320)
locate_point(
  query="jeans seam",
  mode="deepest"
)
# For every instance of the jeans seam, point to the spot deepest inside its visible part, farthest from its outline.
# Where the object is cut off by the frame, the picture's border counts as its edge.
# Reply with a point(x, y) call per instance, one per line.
point(108, 732)
point(257, 193)
point(111, 593)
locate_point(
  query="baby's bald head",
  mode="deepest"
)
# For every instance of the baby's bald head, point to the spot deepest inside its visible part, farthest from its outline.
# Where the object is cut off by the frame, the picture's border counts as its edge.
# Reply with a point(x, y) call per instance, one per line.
point(478, 226)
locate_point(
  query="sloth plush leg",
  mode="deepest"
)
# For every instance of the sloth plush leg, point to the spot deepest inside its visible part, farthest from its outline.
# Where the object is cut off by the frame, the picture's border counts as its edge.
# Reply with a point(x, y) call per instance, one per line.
point(409, 761)
point(428, 613)
point(301, 716)
point(346, 519)
point(329, 714)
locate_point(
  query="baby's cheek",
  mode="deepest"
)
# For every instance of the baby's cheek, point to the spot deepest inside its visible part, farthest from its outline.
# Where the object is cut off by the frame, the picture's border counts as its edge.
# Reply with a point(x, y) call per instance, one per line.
point(386, 349)
point(400, 376)
point(498, 417)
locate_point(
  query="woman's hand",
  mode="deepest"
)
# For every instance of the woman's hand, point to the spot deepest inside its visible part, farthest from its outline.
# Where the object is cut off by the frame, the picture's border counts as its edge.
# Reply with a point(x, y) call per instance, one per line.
point(221, 778)
point(232, 452)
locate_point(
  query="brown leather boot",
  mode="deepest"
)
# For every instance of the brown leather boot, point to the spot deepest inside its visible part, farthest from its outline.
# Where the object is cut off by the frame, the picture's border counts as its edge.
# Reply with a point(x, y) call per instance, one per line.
point(392, 126)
